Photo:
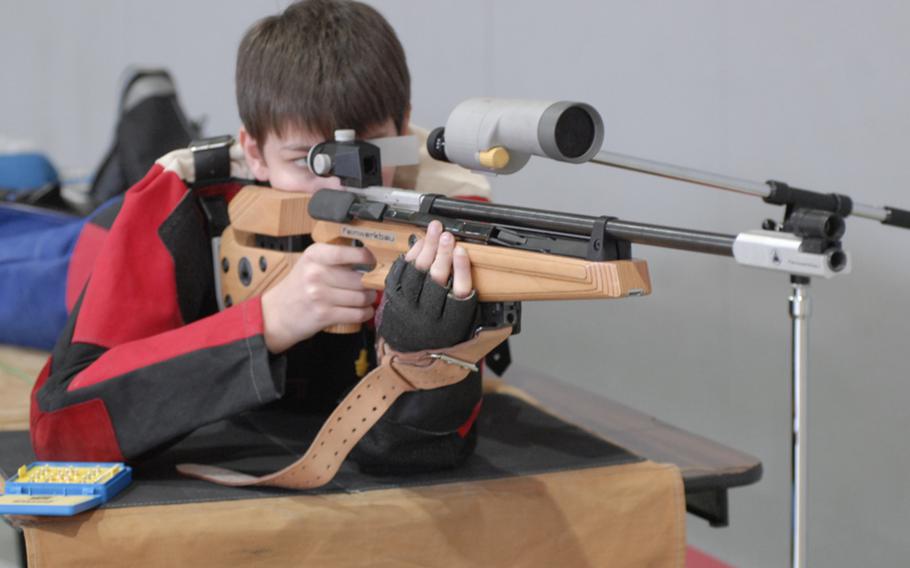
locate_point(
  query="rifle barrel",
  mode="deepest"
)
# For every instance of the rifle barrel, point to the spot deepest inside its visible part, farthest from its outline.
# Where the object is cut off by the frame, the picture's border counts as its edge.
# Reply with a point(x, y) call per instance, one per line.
point(672, 237)
point(575, 224)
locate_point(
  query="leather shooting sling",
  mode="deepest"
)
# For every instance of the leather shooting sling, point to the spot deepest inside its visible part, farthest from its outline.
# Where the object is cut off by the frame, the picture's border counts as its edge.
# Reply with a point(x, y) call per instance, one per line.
point(364, 405)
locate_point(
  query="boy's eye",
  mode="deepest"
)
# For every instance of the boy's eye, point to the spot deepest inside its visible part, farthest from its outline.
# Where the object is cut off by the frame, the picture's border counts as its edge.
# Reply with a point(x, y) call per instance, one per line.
point(301, 163)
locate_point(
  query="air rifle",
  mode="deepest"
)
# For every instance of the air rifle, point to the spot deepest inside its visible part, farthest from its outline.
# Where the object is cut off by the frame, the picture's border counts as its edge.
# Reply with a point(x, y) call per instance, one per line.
point(517, 253)
point(511, 262)
point(526, 258)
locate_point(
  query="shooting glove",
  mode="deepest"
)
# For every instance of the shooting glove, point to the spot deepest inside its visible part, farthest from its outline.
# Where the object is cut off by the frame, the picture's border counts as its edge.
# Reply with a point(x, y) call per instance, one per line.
point(423, 430)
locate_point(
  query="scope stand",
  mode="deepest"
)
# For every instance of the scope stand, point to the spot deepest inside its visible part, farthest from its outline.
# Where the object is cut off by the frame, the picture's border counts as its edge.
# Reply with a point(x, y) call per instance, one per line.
point(800, 310)
point(779, 193)
point(818, 237)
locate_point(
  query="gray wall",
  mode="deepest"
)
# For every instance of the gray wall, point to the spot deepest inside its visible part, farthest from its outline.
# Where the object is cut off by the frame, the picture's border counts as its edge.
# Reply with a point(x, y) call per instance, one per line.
point(811, 92)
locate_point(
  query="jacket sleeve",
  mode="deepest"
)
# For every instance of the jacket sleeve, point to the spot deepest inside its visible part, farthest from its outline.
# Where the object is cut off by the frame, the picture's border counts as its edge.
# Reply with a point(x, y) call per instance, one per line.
point(144, 357)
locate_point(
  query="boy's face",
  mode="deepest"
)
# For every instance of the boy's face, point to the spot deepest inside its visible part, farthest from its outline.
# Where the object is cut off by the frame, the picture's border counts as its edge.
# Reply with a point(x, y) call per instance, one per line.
point(282, 159)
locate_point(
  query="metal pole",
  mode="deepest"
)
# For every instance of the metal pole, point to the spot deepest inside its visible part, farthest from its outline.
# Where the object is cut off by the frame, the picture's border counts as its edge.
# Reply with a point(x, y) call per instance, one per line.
point(800, 310)
point(708, 179)
point(681, 173)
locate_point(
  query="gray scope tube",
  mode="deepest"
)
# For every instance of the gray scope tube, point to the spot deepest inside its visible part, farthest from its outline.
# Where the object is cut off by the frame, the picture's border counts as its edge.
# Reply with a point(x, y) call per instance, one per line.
point(583, 225)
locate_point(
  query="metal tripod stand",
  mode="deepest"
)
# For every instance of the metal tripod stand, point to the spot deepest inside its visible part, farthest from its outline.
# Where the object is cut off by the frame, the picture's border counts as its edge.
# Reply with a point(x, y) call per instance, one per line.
point(799, 307)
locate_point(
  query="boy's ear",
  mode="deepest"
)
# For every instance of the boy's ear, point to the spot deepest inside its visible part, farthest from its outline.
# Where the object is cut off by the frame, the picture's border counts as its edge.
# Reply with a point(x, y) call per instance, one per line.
point(405, 121)
point(252, 153)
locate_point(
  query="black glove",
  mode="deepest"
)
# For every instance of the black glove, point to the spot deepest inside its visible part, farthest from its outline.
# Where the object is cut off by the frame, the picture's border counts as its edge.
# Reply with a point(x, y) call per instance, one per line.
point(423, 430)
point(417, 313)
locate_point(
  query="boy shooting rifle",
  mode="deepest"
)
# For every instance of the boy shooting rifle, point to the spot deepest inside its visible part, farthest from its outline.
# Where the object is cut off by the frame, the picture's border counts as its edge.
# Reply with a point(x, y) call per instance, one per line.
point(147, 357)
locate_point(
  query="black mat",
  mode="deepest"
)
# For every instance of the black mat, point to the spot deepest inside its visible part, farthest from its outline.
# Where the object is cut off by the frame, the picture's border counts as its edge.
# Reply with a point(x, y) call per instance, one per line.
point(515, 439)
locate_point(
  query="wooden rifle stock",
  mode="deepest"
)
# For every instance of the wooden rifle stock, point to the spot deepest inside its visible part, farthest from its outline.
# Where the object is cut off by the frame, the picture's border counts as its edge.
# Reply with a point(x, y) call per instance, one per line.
point(258, 250)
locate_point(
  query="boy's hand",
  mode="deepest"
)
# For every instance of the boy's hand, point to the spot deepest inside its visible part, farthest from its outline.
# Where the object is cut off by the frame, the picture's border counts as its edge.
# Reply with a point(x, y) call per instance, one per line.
point(438, 255)
point(321, 290)
point(419, 312)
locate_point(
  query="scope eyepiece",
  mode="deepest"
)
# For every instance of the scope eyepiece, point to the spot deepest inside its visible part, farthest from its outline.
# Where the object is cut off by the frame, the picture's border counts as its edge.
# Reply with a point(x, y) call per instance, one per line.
point(436, 144)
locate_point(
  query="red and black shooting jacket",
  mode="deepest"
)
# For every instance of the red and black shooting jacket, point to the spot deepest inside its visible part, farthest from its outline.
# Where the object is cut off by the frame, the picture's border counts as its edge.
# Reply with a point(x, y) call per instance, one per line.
point(146, 357)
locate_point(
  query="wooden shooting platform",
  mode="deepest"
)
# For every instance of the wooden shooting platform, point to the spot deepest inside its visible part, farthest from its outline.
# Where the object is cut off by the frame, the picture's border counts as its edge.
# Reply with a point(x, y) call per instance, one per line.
point(709, 469)
point(576, 515)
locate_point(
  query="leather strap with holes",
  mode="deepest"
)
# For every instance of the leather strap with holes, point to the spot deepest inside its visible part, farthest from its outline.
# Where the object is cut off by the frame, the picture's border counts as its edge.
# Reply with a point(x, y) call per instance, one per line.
point(396, 374)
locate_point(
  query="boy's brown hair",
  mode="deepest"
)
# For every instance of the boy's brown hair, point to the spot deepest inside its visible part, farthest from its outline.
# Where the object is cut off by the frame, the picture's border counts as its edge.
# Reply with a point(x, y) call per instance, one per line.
point(321, 65)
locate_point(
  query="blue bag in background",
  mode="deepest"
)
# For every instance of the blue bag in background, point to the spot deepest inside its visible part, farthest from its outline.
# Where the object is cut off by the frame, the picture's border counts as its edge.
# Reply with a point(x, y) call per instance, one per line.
point(35, 250)
point(40, 223)
point(23, 171)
